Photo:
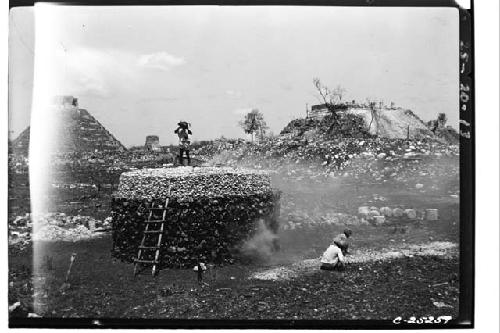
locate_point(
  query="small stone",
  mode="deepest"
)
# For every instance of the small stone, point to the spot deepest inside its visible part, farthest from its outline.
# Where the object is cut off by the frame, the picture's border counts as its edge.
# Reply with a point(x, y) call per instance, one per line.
point(441, 305)
point(363, 210)
point(431, 214)
point(386, 211)
point(379, 220)
point(14, 306)
point(411, 214)
point(398, 212)
point(373, 213)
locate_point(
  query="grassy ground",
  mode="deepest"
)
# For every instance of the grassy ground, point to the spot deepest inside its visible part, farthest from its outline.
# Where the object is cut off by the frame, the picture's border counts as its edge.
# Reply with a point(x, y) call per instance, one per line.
point(103, 287)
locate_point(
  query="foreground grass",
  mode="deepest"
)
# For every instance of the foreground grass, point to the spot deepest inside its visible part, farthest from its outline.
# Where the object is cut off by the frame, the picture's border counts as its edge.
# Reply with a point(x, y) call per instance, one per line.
point(103, 288)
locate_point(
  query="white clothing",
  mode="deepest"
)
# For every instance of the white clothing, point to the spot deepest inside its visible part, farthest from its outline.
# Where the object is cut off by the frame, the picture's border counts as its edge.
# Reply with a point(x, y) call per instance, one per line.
point(332, 255)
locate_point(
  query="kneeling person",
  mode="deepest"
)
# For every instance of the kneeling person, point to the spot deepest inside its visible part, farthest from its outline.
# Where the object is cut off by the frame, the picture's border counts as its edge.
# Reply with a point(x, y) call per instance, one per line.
point(332, 259)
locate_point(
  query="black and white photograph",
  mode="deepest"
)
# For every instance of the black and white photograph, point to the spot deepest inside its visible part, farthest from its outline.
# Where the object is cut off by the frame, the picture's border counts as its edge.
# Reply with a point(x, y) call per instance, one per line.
point(240, 166)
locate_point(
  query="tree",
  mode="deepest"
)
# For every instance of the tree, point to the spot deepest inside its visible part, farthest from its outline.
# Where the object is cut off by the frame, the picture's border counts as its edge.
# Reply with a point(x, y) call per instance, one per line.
point(442, 119)
point(440, 122)
point(373, 110)
point(338, 92)
point(332, 100)
point(432, 125)
point(254, 123)
point(330, 97)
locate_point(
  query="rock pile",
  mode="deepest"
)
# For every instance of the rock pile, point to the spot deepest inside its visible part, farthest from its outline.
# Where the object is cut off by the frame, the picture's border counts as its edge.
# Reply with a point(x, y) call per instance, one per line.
point(379, 215)
point(301, 221)
point(378, 159)
point(54, 227)
point(191, 182)
point(211, 212)
point(18, 164)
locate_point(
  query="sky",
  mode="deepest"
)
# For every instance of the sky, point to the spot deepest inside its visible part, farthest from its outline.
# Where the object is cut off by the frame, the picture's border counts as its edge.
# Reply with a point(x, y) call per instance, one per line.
point(139, 70)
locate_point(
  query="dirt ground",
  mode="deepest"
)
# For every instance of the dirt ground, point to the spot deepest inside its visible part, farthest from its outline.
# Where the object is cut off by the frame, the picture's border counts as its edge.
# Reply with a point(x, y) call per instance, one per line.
point(101, 286)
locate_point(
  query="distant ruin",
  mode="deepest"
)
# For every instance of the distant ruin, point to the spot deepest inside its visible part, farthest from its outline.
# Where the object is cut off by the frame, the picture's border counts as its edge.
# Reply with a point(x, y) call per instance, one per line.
point(65, 101)
point(320, 111)
point(78, 131)
point(380, 120)
point(152, 143)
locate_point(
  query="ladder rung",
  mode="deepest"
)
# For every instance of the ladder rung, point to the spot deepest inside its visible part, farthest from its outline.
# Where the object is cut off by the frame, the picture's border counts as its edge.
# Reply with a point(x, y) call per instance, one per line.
point(151, 219)
point(146, 261)
point(153, 231)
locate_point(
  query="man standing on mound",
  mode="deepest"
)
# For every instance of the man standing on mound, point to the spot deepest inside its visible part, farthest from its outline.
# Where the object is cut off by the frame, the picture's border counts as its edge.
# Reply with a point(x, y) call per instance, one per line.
point(183, 133)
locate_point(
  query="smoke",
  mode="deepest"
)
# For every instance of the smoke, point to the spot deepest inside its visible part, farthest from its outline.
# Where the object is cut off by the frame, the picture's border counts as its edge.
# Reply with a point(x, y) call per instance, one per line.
point(262, 244)
point(311, 196)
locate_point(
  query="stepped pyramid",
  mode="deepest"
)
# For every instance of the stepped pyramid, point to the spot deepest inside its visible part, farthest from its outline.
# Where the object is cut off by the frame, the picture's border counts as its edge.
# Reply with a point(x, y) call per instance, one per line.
point(78, 131)
point(21, 144)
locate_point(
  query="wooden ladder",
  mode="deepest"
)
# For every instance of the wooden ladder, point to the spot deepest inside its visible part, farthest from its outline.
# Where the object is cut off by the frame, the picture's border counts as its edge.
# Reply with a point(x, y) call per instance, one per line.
point(153, 233)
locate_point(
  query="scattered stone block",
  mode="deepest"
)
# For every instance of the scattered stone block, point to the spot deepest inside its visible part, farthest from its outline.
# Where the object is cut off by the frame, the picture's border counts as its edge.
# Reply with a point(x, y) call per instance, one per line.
point(379, 219)
point(363, 210)
point(411, 214)
point(398, 212)
point(373, 213)
point(431, 214)
point(363, 221)
point(386, 211)
point(91, 225)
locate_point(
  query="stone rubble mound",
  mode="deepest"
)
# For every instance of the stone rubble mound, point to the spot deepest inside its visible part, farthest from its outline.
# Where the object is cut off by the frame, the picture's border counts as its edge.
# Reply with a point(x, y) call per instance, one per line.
point(54, 227)
point(211, 212)
point(191, 182)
